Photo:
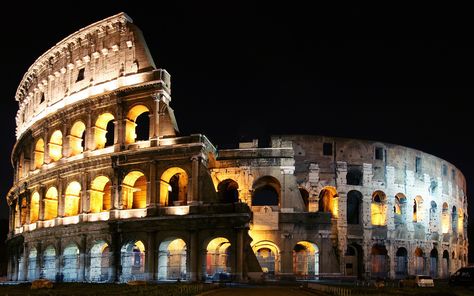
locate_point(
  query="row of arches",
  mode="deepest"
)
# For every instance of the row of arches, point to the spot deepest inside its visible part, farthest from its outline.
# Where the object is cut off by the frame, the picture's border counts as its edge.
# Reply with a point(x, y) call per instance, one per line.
point(103, 134)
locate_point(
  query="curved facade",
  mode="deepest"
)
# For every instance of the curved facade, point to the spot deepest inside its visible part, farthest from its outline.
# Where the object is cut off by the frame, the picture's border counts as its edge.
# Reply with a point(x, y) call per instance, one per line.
point(105, 188)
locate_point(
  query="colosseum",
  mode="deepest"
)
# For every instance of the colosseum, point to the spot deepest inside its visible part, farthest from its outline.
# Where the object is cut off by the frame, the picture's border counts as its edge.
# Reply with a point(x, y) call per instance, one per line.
point(106, 189)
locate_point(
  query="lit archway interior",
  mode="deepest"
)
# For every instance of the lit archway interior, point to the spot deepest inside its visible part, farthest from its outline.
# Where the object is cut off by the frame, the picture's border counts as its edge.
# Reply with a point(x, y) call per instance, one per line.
point(133, 261)
point(71, 263)
point(454, 220)
point(104, 131)
point(306, 260)
point(418, 209)
point(100, 195)
point(131, 123)
point(34, 207)
point(305, 197)
point(445, 218)
point(460, 222)
point(266, 192)
point(172, 260)
point(328, 201)
point(378, 208)
point(39, 153)
point(51, 204)
point(174, 187)
point(55, 146)
point(419, 262)
point(23, 211)
point(217, 257)
point(399, 209)
point(228, 191)
point(268, 256)
point(76, 138)
point(49, 263)
point(32, 264)
point(134, 187)
point(72, 199)
point(100, 262)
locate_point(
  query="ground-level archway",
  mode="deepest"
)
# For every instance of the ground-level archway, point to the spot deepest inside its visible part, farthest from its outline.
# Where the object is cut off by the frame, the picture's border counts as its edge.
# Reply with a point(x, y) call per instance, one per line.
point(306, 259)
point(133, 261)
point(268, 256)
point(354, 260)
point(172, 259)
point(217, 256)
point(379, 261)
point(100, 262)
point(32, 257)
point(401, 261)
point(419, 261)
point(434, 263)
point(49, 263)
point(71, 263)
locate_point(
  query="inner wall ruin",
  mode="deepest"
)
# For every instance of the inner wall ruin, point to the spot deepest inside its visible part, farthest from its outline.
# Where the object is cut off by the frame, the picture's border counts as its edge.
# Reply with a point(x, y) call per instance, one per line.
point(106, 189)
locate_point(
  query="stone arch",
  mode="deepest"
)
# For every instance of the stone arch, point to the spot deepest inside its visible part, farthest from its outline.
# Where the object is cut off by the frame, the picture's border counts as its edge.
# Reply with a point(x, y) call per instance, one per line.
point(34, 207)
point(49, 263)
point(76, 138)
point(55, 145)
point(434, 263)
point(104, 131)
point(134, 190)
point(379, 260)
point(445, 218)
point(228, 191)
point(401, 269)
point(174, 187)
point(133, 261)
point(419, 261)
point(328, 201)
point(268, 256)
point(131, 123)
point(460, 222)
point(51, 203)
point(378, 208)
point(72, 199)
point(445, 264)
point(70, 263)
point(101, 194)
point(266, 192)
point(100, 266)
point(23, 211)
point(454, 220)
point(433, 217)
point(172, 259)
point(354, 202)
point(354, 175)
point(418, 209)
point(305, 260)
point(32, 257)
point(354, 260)
point(400, 209)
point(39, 153)
point(217, 257)
point(305, 197)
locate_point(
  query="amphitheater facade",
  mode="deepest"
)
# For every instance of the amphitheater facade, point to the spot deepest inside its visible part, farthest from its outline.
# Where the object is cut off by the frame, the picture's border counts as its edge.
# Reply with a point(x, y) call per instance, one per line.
point(106, 189)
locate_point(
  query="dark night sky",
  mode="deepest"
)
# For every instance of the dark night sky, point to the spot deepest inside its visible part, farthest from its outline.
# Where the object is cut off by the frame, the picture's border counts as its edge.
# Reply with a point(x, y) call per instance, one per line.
point(395, 74)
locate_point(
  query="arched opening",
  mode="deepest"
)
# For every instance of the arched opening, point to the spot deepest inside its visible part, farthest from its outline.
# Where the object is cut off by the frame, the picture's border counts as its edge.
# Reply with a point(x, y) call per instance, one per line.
point(217, 258)
point(100, 262)
point(399, 209)
point(445, 264)
point(433, 217)
point(354, 175)
point(445, 218)
point(39, 153)
point(401, 270)
point(354, 201)
point(417, 209)
point(71, 263)
point(172, 260)
point(174, 187)
point(51, 204)
point(268, 256)
point(454, 220)
point(32, 264)
point(460, 222)
point(34, 207)
point(379, 261)
point(72, 199)
point(434, 263)
point(49, 263)
point(266, 192)
point(23, 211)
point(104, 131)
point(133, 121)
point(55, 146)
point(305, 196)
point(77, 138)
point(419, 262)
point(328, 201)
point(101, 195)
point(378, 208)
point(353, 259)
point(228, 191)
point(134, 188)
point(305, 260)
point(133, 261)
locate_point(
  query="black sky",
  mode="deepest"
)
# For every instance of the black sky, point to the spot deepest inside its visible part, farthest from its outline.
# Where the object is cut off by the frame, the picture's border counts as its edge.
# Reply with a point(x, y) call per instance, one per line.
point(400, 74)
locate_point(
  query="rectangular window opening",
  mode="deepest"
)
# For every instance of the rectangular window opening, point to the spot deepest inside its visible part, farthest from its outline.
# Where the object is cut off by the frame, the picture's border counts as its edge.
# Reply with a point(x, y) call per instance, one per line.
point(418, 165)
point(80, 75)
point(445, 170)
point(327, 148)
point(379, 153)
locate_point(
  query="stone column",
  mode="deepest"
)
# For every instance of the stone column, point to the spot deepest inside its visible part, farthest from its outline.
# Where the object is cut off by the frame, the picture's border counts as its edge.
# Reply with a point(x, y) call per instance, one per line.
point(196, 160)
point(115, 264)
point(39, 260)
point(81, 274)
point(155, 120)
point(24, 263)
point(152, 188)
point(119, 128)
point(150, 264)
point(61, 197)
point(66, 138)
point(192, 257)
point(89, 143)
point(239, 255)
point(47, 159)
point(42, 193)
point(85, 194)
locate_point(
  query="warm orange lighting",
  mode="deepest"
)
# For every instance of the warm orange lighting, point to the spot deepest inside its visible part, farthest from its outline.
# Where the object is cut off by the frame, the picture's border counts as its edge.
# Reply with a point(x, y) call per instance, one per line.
point(445, 218)
point(39, 153)
point(56, 146)
point(130, 124)
point(328, 201)
point(51, 204)
point(378, 208)
point(75, 138)
point(176, 179)
point(72, 199)
point(100, 197)
point(34, 207)
point(134, 188)
point(100, 130)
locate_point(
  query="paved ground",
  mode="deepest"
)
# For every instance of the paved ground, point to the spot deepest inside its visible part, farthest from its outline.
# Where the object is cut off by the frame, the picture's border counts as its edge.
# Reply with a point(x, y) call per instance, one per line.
point(259, 291)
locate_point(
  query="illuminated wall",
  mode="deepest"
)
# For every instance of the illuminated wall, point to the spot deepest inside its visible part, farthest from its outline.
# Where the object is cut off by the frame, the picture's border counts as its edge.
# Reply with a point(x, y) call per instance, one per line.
point(378, 208)
point(56, 146)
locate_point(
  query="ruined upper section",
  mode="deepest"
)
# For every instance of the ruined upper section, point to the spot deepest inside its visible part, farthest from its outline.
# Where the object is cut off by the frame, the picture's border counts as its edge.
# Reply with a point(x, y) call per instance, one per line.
point(99, 58)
